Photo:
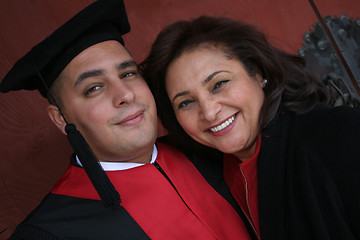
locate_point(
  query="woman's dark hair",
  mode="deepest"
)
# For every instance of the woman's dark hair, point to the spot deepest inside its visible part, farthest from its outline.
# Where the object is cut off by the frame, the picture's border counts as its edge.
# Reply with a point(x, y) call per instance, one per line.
point(290, 87)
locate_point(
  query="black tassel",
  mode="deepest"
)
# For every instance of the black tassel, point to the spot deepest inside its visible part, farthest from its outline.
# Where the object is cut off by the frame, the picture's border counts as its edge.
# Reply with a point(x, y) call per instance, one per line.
point(106, 190)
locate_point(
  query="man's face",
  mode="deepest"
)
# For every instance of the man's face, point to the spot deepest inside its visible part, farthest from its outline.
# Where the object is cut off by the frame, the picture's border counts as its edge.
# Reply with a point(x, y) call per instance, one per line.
point(104, 95)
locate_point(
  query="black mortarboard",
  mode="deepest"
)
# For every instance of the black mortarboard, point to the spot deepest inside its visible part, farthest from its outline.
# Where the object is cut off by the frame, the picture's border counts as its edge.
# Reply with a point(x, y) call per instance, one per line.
point(101, 21)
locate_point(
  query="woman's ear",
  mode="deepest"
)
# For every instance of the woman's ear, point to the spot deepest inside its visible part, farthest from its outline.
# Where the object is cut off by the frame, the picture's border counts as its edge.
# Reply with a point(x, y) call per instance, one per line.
point(57, 118)
point(260, 80)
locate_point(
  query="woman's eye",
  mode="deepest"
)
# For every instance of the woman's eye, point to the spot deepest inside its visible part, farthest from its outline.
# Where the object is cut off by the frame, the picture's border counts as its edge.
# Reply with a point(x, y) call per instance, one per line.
point(184, 104)
point(219, 84)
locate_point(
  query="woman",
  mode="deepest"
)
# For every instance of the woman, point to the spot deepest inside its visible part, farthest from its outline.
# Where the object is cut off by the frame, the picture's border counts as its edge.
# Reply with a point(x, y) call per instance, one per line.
point(290, 160)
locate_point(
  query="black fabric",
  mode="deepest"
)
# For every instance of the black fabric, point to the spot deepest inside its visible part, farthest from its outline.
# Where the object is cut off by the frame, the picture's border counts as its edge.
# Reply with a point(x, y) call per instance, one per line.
point(63, 217)
point(100, 21)
point(308, 176)
point(29, 232)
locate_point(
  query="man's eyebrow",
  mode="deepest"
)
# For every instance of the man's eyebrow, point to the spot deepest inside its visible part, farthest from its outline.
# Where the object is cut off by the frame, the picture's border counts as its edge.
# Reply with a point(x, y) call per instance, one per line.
point(88, 74)
point(129, 63)
point(99, 72)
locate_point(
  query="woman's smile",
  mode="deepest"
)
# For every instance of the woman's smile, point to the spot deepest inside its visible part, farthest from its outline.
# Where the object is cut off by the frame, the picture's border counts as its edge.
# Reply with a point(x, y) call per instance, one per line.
point(215, 99)
point(223, 127)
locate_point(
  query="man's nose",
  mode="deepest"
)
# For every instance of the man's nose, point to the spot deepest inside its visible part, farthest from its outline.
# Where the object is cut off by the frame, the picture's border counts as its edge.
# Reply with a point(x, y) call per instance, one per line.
point(122, 94)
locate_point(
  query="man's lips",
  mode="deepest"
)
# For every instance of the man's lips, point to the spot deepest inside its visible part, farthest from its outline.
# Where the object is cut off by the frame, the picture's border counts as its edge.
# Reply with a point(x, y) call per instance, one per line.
point(132, 119)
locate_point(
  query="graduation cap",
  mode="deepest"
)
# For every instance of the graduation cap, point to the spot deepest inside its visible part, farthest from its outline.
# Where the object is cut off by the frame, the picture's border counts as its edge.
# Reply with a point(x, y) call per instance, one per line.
point(101, 21)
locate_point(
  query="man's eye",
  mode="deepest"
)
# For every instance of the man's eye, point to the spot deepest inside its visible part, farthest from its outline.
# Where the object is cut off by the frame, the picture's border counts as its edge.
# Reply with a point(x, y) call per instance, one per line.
point(219, 84)
point(92, 89)
point(128, 74)
point(184, 103)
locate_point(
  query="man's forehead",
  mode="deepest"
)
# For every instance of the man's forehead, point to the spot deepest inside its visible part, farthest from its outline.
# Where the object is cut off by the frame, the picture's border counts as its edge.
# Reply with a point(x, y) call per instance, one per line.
point(97, 58)
point(111, 47)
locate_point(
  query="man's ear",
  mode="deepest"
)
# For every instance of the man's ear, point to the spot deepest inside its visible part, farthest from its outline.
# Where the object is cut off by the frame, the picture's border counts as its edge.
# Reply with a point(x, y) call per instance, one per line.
point(56, 117)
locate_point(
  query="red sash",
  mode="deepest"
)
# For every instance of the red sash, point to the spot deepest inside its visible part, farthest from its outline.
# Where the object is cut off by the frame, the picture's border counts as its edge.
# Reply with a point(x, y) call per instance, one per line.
point(200, 212)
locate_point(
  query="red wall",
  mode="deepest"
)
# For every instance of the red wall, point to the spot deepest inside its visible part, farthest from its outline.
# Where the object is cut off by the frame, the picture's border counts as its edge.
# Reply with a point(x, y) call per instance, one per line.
point(33, 153)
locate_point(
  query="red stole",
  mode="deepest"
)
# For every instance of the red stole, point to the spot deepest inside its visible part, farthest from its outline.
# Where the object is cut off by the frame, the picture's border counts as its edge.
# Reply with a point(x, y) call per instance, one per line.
point(241, 177)
point(200, 212)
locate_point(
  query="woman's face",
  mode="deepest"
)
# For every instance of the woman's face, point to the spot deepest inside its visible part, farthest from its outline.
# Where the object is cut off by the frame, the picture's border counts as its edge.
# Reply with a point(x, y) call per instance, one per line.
point(215, 100)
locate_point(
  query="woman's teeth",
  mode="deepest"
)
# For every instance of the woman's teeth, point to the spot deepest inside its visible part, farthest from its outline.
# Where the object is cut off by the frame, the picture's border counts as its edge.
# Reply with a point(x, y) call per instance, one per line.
point(223, 125)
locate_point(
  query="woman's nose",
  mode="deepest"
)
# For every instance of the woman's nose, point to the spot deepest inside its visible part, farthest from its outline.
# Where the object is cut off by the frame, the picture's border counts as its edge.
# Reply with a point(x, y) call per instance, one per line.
point(209, 108)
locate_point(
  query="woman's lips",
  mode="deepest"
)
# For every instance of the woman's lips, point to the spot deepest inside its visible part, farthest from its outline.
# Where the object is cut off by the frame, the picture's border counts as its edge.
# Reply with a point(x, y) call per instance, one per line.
point(223, 127)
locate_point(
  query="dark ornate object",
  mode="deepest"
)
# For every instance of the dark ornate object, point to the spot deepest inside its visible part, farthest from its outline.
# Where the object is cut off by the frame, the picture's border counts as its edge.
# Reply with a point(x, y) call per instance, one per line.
point(322, 59)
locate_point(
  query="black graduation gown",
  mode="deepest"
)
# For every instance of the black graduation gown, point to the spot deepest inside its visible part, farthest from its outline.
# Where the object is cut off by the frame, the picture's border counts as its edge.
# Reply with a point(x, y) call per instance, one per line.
point(309, 176)
point(184, 206)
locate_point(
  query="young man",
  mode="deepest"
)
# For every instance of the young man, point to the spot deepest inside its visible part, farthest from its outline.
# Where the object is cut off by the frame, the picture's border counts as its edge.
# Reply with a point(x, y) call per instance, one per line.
point(93, 83)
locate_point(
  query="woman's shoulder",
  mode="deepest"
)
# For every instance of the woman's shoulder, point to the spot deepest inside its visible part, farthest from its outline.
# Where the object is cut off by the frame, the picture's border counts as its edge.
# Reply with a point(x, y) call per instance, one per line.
point(327, 131)
point(327, 121)
point(331, 133)
point(337, 113)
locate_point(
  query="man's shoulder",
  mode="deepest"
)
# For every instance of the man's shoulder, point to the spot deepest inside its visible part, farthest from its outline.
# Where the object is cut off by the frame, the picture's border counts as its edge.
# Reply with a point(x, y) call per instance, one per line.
point(208, 161)
point(64, 217)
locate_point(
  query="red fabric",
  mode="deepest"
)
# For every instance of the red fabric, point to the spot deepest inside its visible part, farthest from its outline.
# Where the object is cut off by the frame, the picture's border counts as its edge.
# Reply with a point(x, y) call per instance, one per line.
point(156, 206)
point(241, 177)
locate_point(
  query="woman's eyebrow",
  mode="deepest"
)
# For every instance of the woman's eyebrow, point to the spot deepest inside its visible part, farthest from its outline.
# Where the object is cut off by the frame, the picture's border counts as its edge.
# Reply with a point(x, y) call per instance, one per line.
point(208, 79)
point(180, 94)
point(211, 76)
